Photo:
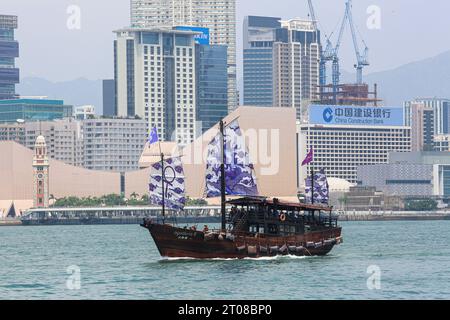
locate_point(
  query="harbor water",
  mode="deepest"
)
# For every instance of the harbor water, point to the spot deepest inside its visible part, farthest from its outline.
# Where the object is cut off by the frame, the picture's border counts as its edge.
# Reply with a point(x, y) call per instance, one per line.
point(378, 260)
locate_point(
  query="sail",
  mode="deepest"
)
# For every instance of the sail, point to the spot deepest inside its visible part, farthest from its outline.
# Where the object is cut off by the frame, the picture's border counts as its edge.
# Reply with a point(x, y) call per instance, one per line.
point(321, 188)
point(240, 178)
point(174, 186)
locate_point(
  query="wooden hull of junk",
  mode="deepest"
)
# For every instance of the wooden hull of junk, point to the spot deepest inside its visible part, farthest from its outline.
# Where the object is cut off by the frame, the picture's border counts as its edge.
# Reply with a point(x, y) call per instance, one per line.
point(173, 242)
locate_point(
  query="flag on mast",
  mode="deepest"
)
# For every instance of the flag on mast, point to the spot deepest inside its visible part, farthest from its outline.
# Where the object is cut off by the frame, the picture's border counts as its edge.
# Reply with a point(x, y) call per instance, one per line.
point(309, 157)
point(153, 136)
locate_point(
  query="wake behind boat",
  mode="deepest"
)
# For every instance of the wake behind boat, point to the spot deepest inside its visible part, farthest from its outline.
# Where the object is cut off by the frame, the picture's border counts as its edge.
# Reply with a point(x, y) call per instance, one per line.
point(252, 226)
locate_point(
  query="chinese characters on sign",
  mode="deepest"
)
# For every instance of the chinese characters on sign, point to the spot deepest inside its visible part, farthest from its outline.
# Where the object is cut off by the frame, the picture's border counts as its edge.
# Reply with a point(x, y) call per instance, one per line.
point(356, 115)
point(362, 113)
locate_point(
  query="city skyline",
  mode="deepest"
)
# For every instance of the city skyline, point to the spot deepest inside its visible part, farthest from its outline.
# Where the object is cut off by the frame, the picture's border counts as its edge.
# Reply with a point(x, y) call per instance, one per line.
point(207, 149)
point(97, 25)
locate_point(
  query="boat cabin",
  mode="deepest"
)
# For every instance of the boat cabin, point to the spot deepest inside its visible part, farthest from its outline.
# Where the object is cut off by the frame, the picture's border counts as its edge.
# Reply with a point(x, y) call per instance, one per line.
point(260, 215)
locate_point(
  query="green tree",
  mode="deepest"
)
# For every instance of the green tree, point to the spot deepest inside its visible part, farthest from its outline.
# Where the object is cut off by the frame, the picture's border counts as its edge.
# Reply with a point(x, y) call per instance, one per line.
point(110, 200)
point(134, 195)
point(421, 205)
point(196, 202)
point(343, 201)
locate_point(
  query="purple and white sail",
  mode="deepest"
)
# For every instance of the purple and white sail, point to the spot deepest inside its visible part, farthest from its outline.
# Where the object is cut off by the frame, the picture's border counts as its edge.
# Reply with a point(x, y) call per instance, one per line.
point(240, 178)
point(321, 188)
point(174, 184)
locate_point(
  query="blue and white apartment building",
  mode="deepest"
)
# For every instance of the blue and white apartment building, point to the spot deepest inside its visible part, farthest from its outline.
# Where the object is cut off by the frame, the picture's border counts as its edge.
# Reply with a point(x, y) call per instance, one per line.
point(172, 78)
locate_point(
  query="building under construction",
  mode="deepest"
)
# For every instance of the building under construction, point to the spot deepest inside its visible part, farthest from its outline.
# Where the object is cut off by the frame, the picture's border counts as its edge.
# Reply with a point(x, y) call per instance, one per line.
point(336, 93)
point(349, 94)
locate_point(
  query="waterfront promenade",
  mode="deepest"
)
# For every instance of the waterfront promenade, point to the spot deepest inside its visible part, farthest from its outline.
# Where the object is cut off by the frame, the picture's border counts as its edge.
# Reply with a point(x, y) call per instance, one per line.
point(193, 215)
point(393, 215)
point(10, 222)
point(117, 215)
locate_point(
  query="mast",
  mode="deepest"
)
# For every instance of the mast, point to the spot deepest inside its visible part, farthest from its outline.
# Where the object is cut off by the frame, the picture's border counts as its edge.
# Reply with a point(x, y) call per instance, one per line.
point(312, 184)
point(163, 191)
point(222, 176)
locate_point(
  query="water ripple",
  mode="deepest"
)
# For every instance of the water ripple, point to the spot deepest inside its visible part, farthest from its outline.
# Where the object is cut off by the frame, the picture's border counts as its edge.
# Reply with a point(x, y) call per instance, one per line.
point(122, 262)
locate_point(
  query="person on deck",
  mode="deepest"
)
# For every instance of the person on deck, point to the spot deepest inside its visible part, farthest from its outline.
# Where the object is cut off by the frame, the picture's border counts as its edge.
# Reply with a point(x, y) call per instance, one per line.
point(275, 213)
point(233, 212)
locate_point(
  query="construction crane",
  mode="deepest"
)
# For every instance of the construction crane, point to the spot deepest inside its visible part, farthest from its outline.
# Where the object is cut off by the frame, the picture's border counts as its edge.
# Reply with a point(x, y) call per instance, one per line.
point(325, 55)
point(336, 76)
point(331, 53)
point(362, 60)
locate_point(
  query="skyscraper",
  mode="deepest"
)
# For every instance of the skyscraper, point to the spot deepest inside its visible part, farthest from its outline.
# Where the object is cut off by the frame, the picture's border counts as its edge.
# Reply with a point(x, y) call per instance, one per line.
point(155, 74)
point(421, 120)
point(109, 98)
point(212, 97)
point(259, 37)
point(441, 109)
point(9, 50)
point(296, 64)
point(172, 78)
point(281, 62)
point(217, 15)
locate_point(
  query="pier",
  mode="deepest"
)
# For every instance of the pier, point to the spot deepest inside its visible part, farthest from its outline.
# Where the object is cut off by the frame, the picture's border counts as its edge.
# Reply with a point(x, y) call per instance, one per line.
point(116, 215)
point(10, 222)
point(393, 216)
point(191, 215)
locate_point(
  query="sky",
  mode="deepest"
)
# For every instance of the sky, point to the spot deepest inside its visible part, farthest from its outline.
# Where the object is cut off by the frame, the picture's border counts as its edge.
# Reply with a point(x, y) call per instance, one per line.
point(54, 47)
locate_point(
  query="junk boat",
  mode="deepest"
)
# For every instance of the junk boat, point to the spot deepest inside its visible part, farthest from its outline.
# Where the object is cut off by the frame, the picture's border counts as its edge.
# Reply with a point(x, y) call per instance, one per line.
point(258, 227)
point(253, 226)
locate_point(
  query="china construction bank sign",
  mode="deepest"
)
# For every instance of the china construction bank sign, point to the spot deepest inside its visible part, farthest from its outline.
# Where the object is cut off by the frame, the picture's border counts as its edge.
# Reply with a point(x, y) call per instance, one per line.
point(356, 115)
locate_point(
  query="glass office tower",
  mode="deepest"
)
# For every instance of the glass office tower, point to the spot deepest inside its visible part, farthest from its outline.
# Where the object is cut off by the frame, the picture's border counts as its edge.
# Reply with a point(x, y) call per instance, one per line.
point(212, 96)
point(9, 50)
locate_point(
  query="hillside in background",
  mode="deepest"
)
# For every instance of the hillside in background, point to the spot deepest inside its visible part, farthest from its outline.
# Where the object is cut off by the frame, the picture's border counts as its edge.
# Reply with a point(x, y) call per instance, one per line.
point(425, 78)
point(75, 92)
